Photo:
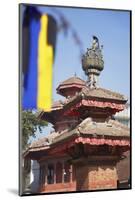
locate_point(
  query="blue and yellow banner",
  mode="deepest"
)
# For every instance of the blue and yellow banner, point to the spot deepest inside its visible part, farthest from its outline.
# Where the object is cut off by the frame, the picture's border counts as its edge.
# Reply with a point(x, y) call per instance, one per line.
point(38, 49)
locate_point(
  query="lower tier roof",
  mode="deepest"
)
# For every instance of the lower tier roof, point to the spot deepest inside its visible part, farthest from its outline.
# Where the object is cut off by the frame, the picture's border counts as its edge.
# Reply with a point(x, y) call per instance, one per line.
point(110, 132)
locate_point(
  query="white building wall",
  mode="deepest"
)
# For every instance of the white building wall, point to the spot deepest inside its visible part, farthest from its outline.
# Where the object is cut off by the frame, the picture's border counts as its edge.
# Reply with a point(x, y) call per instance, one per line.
point(124, 116)
point(34, 176)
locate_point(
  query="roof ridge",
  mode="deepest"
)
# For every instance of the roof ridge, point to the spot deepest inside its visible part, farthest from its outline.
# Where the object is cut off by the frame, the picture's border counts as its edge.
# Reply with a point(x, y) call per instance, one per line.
point(70, 78)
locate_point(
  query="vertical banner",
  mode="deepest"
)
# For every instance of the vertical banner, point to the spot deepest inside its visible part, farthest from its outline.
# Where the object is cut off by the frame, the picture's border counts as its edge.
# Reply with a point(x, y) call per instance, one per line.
point(38, 43)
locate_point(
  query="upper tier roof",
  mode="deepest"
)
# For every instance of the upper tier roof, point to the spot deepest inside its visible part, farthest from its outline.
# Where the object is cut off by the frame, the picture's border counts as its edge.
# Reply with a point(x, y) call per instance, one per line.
point(103, 93)
point(99, 93)
point(72, 82)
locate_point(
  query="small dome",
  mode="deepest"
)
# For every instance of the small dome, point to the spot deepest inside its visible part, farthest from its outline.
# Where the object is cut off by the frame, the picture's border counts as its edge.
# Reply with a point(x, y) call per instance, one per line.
point(71, 85)
point(72, 80)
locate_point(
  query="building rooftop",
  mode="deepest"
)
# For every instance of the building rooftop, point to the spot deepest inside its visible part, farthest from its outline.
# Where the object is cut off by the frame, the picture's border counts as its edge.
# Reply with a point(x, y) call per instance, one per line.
point(92, 129)
point(108, 128)
point(87, 127)
point(103, 93)
point(72, 80)
point(99, 93)
point(57, 105)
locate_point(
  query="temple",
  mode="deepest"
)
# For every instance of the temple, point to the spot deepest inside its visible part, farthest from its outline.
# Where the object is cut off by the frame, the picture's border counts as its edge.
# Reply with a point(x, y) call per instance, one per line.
point(87, 144)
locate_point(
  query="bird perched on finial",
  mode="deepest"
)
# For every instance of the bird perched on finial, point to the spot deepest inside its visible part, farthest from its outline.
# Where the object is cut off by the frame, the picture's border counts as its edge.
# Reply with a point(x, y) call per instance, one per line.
point(95, 43)
point(95, 38)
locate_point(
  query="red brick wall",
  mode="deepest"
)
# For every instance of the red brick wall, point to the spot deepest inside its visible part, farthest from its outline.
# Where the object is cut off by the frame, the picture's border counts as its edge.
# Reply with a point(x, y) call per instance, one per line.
point(90, 177)
point(103, 177)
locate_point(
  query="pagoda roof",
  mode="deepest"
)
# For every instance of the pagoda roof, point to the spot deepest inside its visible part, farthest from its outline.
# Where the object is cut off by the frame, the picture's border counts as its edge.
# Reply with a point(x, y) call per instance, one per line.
point(98, 98)
point(98, 93)
point(40, 143)
point(108, 128)
point(36, 146)
point(110, 131)
point(103, 93)
point(57, 105)
point(71, 82)
point(45, 141)
point(87, 127)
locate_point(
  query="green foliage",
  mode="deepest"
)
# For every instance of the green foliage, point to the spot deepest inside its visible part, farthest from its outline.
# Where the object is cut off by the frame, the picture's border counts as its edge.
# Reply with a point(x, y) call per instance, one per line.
point(30, 125)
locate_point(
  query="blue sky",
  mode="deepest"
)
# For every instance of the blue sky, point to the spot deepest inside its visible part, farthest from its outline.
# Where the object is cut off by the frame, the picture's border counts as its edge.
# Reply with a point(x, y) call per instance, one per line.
point(113, 30)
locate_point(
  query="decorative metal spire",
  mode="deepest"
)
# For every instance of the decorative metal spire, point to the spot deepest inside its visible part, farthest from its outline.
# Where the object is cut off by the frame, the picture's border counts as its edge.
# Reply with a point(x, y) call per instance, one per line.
point(92, 62)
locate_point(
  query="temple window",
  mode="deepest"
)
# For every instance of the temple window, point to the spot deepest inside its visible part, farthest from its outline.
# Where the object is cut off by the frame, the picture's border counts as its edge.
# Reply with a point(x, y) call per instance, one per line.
point(50, 174)
point(59, 172)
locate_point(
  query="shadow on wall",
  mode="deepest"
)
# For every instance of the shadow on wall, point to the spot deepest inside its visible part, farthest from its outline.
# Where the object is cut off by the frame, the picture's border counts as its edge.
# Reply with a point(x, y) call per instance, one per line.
point(13, 191)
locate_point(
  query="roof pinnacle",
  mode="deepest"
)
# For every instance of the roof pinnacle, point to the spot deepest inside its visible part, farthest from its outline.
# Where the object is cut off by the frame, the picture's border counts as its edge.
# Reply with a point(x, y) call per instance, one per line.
point(92, 62)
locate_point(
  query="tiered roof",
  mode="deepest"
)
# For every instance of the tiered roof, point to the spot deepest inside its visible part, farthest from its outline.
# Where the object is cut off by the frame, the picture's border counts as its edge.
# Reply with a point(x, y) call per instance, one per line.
point(111, 130)
point(90, 107)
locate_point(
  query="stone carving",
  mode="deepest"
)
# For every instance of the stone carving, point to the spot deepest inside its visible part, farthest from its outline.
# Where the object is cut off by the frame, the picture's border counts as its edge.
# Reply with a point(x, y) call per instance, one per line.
point(92, 62)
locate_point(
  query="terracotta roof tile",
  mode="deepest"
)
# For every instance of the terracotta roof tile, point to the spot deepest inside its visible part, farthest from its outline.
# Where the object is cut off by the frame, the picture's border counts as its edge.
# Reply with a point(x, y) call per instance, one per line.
point(98, 93)
point(57, 105)
point(88, 127)
point(72, 80)
point(102, 93)
point(45, 141)
point(110, 128)
point(40, 142)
